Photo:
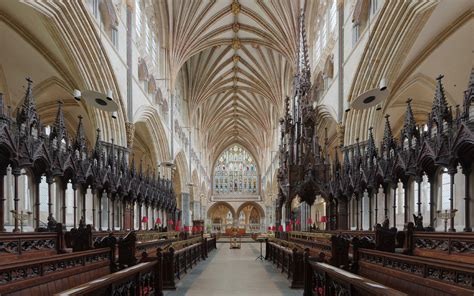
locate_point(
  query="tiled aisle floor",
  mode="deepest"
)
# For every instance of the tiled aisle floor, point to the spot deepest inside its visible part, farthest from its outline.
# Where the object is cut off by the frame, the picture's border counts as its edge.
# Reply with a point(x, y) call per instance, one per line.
point(234, 272)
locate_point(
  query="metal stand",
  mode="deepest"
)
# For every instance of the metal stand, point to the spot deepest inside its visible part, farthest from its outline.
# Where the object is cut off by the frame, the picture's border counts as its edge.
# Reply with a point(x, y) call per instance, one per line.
point(260, 257)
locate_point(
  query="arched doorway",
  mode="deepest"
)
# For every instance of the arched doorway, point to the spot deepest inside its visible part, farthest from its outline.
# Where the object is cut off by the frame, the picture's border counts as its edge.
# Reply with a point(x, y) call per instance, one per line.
point(221, 216)
point(251, 217)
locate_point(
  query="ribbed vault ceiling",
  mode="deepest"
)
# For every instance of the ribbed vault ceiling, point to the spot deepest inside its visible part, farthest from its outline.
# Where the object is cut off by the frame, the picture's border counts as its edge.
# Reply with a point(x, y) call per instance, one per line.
point(237, 59)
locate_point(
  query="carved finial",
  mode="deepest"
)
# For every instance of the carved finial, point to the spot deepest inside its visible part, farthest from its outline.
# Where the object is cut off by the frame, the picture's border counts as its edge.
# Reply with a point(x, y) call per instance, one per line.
point(440, 110)
point(303, 70)
point(27, 114)
point(98, 146)
point(469, 96)
point(388, 141)
point(80, 143)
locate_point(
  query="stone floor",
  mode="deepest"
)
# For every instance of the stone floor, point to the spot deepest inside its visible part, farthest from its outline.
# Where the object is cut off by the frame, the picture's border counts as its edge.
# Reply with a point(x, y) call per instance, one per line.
point(234, 272)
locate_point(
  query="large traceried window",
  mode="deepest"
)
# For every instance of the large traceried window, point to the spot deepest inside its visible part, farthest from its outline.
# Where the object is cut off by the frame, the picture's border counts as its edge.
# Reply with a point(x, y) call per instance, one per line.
point(148, 40)
point(317, 50)
point(235, 172)
point(324, 35)
point(138, 18)
point(333, 16)
point(154, 51)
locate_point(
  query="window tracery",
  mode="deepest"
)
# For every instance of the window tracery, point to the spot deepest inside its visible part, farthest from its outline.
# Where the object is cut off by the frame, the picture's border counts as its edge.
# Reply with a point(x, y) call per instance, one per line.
point(235, 172)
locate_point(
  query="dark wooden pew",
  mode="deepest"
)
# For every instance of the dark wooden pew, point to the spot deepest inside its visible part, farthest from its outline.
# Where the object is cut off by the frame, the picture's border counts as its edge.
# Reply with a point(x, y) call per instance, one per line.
point(141, 279)
point(458, 247)
point(135, 245)
point(149, 278)
point(22, 246)
point(335, 247)
point(416, 275)
point(180, 257)
point(54, 273)
point(325, 279)
point(288, 257)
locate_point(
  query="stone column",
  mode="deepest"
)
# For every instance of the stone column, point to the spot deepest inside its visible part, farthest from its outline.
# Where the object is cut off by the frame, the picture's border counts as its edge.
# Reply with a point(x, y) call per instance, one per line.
point(376, 201)
point(16, 174)
point(37, 202)
point(432, 200)
point(394, 187)
point(467, 200)
point(197, 210)
point(140, 216)
point(100, 209)
point(2, 202)
point(452, 172)
point(185, 209)
point(74, 188)
point(357, 212)
point(84, 203)
point(406, 206)
point(50, 182)
point(112, 199)
point(371, 195)
point(94, 197)
point(419, 179)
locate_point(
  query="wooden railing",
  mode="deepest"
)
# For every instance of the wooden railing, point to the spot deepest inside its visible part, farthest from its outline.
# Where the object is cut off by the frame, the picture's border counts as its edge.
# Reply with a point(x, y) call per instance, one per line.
point(327, 280)
point(413, 273)
point(288, 259)
point(348, 234)
point(149, 278)
point(141, 279)
point(59, 270)
point(178, 262)
point(15, 246)
point(457, 247)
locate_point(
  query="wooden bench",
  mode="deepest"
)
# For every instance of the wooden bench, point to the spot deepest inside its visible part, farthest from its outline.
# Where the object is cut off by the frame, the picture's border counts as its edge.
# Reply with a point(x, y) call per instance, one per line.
point(141, 279)
point(288, 257)
point(180, 257)
point(135, 246)
point(417, 275)
point(325, 279)
point(334, 247)
point(54, 273)
point(148, 278)
point(458, 247)
point(22, 246)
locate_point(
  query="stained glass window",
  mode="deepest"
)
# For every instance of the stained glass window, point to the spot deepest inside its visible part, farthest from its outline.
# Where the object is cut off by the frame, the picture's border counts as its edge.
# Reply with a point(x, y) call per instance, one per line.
point(235, 172)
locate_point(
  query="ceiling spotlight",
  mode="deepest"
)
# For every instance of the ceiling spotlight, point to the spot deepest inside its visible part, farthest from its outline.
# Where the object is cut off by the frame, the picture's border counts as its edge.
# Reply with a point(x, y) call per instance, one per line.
point(167, 164)
point(383, 84)
point(379, 107)
point(114, 114)
point(100, 100)
point(370, 98)
point(109, 95)
point(347, 110)
point(77, 95)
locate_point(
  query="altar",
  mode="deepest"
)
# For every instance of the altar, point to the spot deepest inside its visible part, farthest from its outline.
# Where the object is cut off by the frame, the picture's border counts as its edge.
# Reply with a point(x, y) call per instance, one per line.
point(239, 230)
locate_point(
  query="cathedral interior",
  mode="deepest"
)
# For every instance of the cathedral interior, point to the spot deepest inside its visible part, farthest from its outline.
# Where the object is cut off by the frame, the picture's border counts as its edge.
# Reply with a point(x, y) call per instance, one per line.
point(156, 147)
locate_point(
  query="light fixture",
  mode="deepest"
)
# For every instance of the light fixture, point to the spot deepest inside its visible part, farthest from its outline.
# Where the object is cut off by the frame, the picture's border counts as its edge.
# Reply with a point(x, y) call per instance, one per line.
point(369, 98)
point(109, 95)
point(77, 95)
point(100, 100)
point(383, 84)
point(168, 164)
point(114, 114)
